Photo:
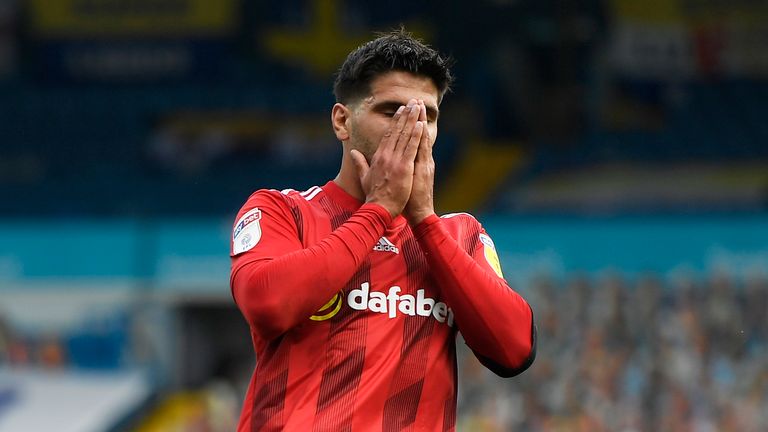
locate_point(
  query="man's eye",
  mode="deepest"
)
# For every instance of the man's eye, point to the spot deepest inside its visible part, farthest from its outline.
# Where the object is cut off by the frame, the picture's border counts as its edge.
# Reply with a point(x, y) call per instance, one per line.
point(389, 113)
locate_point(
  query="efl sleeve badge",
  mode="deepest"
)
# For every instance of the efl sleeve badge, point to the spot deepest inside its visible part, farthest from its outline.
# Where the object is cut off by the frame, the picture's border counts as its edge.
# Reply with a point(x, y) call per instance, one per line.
point(247, 232)
point(489, 250)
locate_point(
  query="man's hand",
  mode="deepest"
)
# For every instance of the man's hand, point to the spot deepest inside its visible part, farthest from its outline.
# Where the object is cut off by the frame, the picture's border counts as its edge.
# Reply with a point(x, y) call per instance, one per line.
point(389, 178)
point(421, 202)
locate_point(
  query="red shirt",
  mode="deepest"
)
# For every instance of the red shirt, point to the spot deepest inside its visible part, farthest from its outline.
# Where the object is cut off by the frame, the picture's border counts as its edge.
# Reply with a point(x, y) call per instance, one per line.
point(354, 315)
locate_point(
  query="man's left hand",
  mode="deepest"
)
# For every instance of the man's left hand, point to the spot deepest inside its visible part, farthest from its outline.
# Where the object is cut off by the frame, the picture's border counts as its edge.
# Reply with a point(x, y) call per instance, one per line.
point(421, 203)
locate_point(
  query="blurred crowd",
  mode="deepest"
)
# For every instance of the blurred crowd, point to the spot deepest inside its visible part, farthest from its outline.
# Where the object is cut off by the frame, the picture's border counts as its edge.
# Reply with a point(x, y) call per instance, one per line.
point(614, 354)
point(645, 355)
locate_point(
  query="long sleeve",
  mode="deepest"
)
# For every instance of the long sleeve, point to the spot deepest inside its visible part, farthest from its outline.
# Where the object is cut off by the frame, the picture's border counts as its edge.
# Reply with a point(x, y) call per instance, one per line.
point(496, 322)
point(276, 282)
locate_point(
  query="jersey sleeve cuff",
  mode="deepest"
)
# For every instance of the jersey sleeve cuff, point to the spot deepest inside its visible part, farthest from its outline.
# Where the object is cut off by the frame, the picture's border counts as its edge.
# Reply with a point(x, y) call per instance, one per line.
point(378, 211)
point(427, 226)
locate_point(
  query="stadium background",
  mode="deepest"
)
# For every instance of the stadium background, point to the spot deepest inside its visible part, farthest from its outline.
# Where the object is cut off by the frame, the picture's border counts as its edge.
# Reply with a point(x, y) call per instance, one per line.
point(615, 150)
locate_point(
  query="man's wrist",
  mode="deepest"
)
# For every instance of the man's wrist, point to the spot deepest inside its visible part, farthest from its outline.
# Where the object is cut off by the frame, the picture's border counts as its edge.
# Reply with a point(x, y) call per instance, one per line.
point(391, 209)
point(380, 210)
point(414, 219)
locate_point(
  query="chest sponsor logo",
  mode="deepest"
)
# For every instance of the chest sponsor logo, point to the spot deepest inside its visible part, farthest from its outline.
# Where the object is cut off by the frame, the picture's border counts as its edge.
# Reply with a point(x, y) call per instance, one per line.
point(384, 245)
point(330, 309)
point(394, 303)
point(247, 232)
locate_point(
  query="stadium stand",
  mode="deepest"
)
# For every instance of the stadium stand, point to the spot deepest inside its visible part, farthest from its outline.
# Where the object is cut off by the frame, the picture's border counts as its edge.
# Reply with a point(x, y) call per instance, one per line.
point(616, 153)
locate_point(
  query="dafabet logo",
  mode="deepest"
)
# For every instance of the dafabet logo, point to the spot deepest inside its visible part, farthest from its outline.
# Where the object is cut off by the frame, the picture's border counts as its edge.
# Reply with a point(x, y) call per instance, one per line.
point(390, 304)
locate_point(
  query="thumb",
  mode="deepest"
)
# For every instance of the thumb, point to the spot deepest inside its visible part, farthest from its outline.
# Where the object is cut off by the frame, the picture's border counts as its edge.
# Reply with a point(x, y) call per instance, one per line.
point(360, 163)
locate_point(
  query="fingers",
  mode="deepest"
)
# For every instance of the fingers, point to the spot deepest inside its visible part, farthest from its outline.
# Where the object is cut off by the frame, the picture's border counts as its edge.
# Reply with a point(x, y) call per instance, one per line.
point(413, 143)
point(424, 145)
point(423, 118)
point(404, 134)
point(411, 115)
point(361, 165)
point(393, 133)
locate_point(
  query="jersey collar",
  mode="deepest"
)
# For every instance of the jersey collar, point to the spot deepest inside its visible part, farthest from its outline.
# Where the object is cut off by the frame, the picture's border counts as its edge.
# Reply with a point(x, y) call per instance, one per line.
point(341, 197)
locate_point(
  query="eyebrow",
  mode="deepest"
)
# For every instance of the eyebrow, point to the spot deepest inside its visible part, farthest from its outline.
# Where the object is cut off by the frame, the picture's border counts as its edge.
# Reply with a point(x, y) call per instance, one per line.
point(432, 112)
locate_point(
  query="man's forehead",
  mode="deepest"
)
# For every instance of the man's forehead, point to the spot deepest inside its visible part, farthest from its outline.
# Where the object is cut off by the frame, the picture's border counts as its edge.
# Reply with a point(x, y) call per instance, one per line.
point(402, 86)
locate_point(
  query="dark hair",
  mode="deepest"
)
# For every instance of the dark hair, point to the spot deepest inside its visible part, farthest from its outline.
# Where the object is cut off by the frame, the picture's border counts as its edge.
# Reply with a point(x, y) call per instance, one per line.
point(397, 50)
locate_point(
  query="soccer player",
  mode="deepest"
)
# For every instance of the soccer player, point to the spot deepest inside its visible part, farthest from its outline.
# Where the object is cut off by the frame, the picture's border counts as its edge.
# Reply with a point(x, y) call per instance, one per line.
point(355, 290)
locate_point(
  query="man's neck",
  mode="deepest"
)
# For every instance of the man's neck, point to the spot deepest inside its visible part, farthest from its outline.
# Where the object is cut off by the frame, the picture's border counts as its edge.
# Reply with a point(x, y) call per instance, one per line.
point(348, 179)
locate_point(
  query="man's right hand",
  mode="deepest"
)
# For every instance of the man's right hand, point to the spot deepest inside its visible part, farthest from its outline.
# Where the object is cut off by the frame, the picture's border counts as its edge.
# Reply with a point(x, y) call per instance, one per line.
point(388, 180)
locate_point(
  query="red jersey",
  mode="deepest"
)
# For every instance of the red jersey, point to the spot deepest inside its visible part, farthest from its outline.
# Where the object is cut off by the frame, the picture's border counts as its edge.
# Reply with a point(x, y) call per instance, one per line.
point(354, 315)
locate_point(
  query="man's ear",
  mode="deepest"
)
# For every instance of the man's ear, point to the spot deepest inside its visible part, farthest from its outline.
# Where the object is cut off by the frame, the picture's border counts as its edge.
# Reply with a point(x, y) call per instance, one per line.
point(340, 117)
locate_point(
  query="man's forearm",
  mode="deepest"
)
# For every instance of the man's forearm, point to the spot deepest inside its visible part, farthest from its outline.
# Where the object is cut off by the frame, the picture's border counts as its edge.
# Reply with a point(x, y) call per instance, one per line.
point(277, 294)
point(496, 322)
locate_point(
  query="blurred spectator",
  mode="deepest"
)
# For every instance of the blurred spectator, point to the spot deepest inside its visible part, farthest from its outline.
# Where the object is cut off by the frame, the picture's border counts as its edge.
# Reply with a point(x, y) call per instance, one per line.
point(5, 342)
point(620, 355)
